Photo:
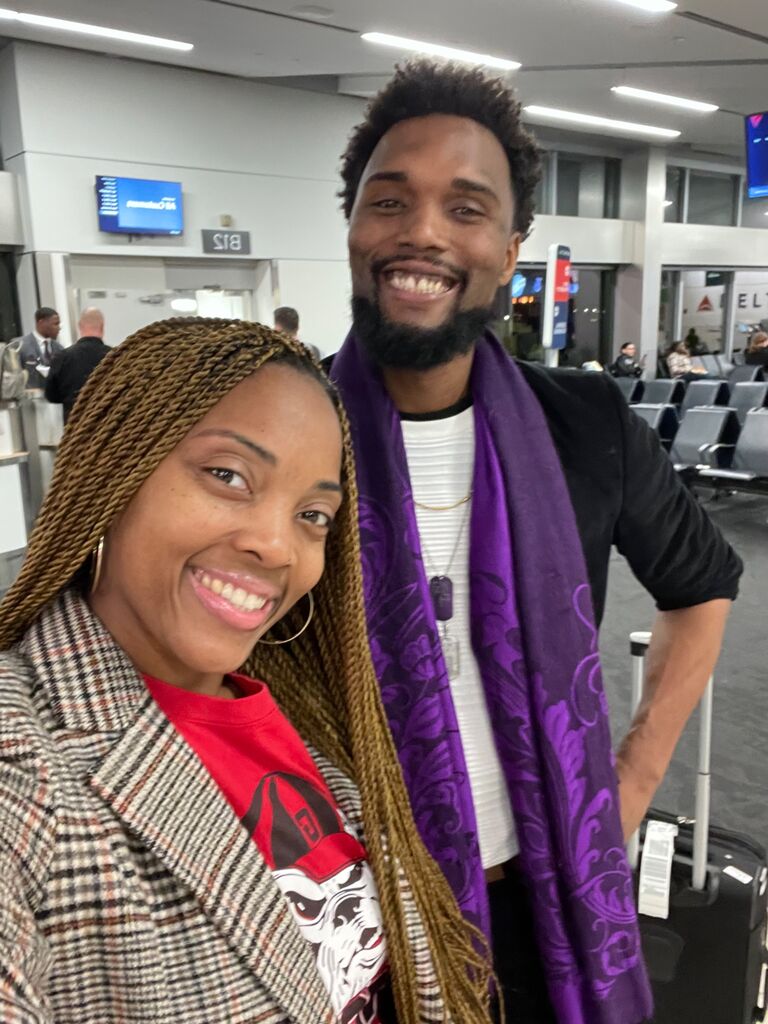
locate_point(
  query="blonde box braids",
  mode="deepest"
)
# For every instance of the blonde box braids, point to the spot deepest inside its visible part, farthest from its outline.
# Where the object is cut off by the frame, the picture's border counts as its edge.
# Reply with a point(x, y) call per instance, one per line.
point(136, 407)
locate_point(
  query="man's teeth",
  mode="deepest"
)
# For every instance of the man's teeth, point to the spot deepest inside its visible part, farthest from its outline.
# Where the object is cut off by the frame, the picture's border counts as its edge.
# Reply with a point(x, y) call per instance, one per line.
point(418, 284)
point(236, 596)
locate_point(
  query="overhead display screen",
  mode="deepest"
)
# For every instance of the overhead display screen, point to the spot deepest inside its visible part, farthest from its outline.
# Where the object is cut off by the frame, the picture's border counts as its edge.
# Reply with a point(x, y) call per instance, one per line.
point(757, 155)
point(139, 206)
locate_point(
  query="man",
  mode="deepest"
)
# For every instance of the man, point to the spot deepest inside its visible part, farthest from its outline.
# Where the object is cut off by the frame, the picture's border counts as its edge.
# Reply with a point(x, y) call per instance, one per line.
point(490, 496)
point(73, 366)
point(287, 321)
point(40, 346)
point(626, 364)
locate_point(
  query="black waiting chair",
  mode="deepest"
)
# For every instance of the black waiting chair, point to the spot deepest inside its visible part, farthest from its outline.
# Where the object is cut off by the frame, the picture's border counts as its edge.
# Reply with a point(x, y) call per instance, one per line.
point(750, 459)
point(661, 418)
point(632, 388)
point(707, 437)
point(664, 392)
point(746, 374)
point(704, 392)
point(748, 395)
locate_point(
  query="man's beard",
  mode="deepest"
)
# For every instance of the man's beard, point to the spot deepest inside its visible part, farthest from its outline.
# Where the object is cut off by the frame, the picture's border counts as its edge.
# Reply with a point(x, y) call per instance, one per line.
point(404, 347)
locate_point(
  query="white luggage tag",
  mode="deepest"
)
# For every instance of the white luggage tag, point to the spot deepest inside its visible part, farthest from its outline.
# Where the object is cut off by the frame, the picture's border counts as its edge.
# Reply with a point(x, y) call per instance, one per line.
point(656, 869)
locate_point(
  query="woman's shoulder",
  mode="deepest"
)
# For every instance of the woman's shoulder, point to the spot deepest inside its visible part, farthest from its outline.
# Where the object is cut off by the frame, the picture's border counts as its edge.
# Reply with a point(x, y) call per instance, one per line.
point(27, 805)
point(24, 738)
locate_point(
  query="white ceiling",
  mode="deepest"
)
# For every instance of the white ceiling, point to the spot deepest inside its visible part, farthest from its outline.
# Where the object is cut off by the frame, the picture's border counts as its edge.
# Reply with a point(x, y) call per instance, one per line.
point(572, 51)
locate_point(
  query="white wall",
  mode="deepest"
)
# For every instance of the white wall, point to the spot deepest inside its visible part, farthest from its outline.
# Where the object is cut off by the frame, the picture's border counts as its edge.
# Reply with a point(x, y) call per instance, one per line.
point(266, 156)
point(698, 245)
point(305, 285)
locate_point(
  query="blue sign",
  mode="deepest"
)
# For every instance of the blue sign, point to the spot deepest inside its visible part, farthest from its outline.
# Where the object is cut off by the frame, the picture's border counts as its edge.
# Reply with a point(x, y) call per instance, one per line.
point(139, 206)
point(757, 155)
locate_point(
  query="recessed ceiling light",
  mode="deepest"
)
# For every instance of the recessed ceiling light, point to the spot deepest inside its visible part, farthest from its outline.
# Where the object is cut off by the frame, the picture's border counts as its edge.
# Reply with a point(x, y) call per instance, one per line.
point(313, 11)
point(81, 28)
point(436, 50)
point(590, 120)
point(660, 97)
point(654, 6)
point(668, 202)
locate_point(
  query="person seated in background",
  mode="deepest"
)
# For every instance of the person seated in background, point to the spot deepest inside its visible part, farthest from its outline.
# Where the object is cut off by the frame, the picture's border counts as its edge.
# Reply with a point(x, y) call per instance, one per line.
point(625, 364)
point(171, 847)
point(681, 365)
point(757, 350)
point(287, 321)
point(38, 348)
point(694, 344)
point(72, 367)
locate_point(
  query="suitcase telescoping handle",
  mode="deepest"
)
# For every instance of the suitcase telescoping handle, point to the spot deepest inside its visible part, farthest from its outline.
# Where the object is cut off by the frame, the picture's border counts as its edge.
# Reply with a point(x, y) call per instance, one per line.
point(638, 644)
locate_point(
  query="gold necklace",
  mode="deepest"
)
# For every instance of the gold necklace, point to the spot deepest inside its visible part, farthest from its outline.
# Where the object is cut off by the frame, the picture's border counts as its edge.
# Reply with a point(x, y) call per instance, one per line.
point(443, 508)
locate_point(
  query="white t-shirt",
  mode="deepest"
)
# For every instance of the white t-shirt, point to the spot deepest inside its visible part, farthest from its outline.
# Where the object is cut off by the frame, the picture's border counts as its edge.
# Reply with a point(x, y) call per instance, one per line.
point(441, 456)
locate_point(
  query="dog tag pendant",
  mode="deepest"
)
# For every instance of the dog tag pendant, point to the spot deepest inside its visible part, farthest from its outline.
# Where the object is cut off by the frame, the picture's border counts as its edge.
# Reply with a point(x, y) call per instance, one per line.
point(441, 591)
point(451, 656)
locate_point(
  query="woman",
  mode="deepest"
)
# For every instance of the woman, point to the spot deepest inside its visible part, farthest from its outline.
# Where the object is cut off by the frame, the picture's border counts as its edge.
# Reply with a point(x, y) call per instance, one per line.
point(680, 364)
point(170, 849)
point(757, 351)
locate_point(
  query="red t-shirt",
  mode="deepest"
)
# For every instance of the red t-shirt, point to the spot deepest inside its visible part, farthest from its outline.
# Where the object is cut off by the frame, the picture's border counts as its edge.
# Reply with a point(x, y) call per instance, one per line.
point(268, 776)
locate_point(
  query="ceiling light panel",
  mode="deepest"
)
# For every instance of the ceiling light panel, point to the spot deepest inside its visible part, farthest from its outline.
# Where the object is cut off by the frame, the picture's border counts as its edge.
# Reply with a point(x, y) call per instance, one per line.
point(99, 31)
point(652, 6)
point(669, 101)
point(436, 50)
point(592, 121)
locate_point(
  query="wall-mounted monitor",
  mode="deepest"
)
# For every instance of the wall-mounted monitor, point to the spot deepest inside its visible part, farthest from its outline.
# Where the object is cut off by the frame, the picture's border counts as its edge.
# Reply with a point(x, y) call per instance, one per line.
point(757, 156)
point(139, 206)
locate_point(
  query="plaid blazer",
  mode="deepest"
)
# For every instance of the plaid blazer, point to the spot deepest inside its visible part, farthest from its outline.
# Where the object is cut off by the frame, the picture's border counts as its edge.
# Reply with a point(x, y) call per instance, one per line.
point(129, 890)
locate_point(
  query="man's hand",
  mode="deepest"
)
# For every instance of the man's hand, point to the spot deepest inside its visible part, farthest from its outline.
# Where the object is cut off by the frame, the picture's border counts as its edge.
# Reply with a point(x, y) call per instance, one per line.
point(681, 658)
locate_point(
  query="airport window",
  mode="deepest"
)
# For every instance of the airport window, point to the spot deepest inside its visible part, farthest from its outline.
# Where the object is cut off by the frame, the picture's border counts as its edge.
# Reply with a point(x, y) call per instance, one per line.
point(518, 311)
point(587, 186)
point(712, 198)
point(673, 202)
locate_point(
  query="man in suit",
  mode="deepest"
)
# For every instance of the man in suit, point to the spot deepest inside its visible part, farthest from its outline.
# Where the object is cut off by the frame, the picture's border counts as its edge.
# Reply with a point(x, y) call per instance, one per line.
point(72, 367)
point(40, 346)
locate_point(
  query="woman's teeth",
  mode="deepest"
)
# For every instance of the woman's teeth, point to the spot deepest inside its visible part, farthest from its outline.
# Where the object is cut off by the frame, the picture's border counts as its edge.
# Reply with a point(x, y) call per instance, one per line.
point(419, 284)
point(236, 596)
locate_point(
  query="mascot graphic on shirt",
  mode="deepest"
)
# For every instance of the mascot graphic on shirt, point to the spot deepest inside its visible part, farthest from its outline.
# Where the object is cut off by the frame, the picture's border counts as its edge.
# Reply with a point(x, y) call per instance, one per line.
point(321, 869)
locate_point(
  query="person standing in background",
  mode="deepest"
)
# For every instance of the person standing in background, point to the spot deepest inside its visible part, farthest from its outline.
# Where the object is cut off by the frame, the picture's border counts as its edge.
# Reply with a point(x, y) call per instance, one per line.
point(72, 367)
point(40, 346)
point(287, 321)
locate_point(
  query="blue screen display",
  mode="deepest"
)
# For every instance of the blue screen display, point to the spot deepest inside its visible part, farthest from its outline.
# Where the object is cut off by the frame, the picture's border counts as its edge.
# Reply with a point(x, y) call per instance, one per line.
point(757, 155)
point(138, 206)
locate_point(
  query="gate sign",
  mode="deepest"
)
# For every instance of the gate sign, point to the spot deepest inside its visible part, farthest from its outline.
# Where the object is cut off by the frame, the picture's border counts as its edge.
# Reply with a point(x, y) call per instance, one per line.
point(556, 297)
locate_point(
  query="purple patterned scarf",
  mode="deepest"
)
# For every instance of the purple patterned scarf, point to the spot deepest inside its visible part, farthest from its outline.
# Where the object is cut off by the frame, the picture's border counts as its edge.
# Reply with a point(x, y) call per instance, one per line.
point(535, 641)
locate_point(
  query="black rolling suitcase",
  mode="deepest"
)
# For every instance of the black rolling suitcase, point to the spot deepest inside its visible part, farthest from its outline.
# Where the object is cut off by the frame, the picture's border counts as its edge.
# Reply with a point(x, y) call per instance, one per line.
point(706, 959)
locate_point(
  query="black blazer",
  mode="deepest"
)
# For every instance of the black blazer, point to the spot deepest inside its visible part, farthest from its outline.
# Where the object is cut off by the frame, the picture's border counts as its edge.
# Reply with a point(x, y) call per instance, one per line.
point(71, 368)
point(757, 358)
point(625, 492)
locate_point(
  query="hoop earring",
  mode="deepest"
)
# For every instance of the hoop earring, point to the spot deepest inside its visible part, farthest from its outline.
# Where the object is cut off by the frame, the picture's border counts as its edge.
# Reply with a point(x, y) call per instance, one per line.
point(279, 643)
point(98, 556)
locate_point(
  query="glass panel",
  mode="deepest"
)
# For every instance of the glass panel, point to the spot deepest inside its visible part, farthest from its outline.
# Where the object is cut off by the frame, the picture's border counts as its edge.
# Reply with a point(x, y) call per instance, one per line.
point(673, 203)
point(703, 310)
point(586, 318)
point(568, 179)
point(10, 326)
point(751, 300)
point(712, 198)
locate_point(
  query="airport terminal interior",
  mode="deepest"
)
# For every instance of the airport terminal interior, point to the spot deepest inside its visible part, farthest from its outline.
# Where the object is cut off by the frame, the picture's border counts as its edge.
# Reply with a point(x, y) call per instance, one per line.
point(181, 158)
